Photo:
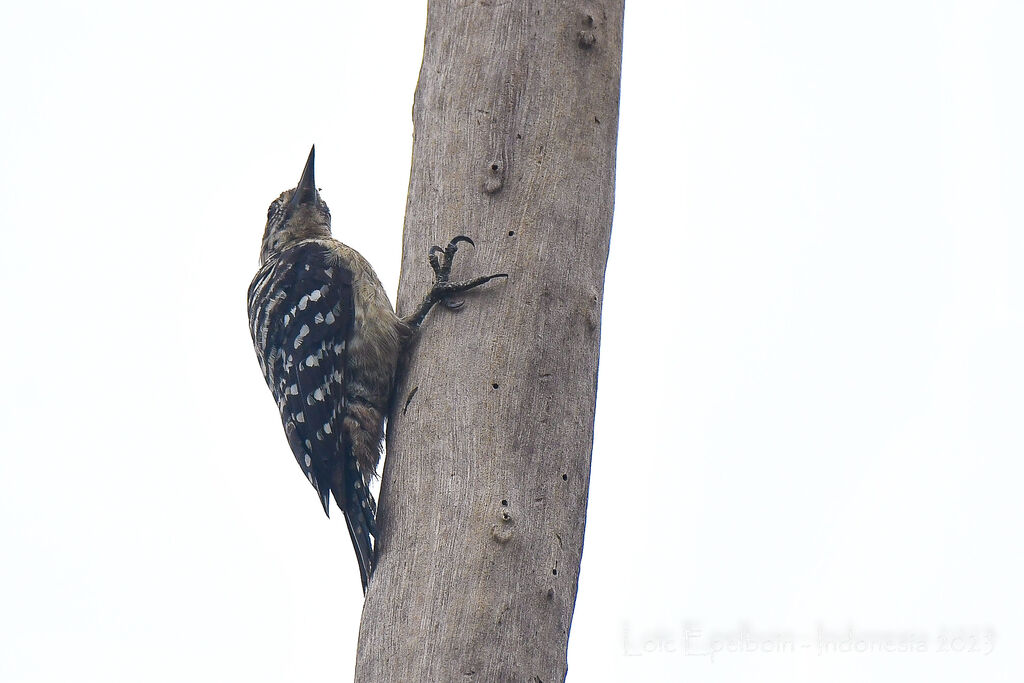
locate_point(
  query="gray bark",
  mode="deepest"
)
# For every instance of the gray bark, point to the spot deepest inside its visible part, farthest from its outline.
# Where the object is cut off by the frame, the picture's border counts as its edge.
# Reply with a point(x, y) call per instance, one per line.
point(484, 490)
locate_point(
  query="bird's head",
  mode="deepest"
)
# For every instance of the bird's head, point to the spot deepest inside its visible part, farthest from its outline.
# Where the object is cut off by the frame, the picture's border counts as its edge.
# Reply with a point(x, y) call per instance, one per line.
point(296, 214)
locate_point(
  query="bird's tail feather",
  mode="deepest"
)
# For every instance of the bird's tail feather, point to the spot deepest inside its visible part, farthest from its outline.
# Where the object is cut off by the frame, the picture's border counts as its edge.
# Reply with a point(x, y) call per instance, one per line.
point(358, 507)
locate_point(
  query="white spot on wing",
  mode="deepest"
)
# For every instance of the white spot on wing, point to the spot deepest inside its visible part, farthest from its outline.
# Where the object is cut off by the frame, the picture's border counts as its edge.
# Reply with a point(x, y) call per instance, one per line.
point(303, 331)
point(309, 461)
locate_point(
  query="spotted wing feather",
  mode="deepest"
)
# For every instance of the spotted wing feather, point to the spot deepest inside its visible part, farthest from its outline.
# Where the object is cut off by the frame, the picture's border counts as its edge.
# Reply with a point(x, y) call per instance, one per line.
point(301, 313)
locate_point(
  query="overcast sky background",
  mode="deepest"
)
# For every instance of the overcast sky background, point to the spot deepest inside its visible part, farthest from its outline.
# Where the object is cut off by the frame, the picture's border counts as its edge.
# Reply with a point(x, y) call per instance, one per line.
point(808, 442)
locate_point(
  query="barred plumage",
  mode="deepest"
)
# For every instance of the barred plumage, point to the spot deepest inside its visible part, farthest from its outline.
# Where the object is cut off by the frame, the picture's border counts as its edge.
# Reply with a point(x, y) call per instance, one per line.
point(328, 343)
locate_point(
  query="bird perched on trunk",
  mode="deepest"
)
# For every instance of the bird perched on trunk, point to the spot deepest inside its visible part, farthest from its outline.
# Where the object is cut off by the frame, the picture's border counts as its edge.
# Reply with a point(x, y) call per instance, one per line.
point(328, 343)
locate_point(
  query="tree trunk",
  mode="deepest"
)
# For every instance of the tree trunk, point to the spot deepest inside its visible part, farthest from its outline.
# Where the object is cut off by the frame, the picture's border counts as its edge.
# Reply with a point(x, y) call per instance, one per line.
point(484, 491)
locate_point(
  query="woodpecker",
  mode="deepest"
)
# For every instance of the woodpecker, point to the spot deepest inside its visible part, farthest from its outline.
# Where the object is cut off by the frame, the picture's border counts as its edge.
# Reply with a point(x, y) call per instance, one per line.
point(328, 343)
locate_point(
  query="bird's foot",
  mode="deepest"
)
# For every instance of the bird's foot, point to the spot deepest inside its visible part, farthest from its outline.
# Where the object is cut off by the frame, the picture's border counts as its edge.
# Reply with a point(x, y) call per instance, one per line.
point(443, 288)
point(441, 263)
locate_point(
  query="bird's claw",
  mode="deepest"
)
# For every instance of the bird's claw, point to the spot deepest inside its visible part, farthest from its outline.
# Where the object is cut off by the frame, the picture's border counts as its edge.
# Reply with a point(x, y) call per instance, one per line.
point(453, 304)
point(443, 289)
point(441, 260)
point(453, 244)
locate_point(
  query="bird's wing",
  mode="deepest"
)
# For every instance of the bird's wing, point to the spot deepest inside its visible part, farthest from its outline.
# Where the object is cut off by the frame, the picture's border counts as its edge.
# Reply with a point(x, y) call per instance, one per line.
point(300, 338)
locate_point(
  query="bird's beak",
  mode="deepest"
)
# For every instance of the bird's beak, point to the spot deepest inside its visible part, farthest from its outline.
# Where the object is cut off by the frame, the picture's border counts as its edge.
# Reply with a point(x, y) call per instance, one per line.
point(305, 191)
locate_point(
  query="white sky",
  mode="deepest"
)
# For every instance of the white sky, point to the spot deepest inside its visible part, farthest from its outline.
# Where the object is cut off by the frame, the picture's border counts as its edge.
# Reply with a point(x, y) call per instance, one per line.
point(811, 377)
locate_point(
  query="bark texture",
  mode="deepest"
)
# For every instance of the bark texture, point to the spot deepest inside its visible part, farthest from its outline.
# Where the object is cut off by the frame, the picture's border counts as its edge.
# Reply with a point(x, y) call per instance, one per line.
point(484, 491)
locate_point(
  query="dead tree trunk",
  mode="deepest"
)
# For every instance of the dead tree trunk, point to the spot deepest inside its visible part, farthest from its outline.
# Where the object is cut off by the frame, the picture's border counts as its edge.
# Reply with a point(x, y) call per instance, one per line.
point(484, 495)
